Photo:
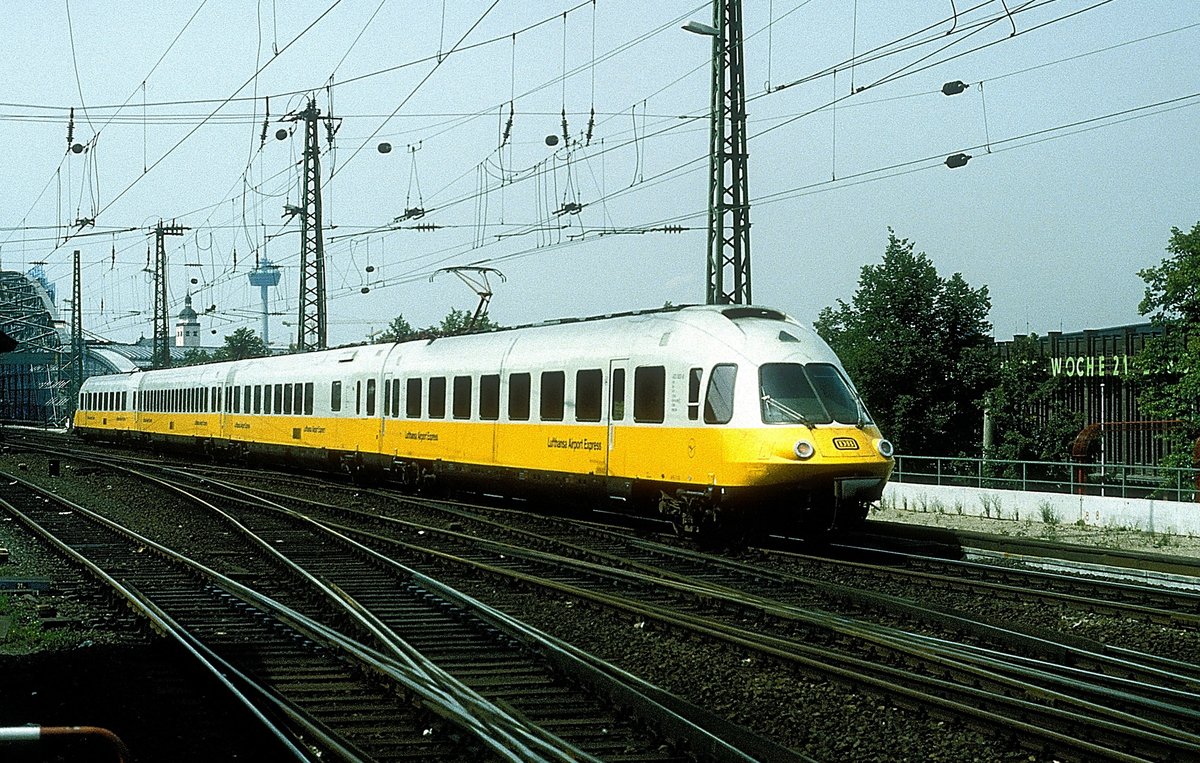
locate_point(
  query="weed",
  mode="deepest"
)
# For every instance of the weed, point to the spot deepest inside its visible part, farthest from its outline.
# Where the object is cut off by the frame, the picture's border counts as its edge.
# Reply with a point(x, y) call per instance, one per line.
point(1163, 540)
point(990, 503)
point(1049, 515)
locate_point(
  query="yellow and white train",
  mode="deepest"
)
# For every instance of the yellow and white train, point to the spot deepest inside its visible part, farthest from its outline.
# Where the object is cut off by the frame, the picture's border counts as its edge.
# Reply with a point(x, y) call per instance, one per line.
point(716, 415)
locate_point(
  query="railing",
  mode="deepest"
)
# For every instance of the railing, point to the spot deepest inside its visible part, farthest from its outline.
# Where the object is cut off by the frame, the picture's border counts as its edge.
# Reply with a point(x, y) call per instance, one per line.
point(1116, 480)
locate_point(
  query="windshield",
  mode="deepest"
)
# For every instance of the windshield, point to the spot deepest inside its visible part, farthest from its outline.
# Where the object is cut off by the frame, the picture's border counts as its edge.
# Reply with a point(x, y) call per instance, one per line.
point(812, 394)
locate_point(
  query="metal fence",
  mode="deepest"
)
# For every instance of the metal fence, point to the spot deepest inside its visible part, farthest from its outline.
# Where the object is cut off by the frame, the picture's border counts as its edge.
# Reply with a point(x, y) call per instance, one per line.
point(1116, 480)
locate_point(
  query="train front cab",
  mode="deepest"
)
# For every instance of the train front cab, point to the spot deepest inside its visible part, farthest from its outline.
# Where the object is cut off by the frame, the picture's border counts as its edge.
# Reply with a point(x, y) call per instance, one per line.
point(781, 446)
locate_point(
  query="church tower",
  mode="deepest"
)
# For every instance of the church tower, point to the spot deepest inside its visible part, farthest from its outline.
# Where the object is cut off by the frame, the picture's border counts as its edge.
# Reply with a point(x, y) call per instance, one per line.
point(187, 328)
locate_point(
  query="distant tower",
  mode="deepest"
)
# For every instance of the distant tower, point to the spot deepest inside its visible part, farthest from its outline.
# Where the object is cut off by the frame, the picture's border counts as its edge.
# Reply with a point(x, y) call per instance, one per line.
point(265, 276)
point(187, 328)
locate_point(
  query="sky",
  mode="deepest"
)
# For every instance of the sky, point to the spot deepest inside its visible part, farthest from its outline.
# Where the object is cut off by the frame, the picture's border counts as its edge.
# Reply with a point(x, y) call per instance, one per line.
point(1080, 117)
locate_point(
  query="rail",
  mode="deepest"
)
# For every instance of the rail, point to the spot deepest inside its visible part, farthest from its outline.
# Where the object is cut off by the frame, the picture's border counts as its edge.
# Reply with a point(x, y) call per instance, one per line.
point(1114, 480)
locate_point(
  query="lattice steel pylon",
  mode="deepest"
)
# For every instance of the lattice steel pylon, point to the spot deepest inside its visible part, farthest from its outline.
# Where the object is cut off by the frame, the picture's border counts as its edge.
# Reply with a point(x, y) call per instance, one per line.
point(312, 326)
point(76, 325)
point(162, 337)
point(728, 196)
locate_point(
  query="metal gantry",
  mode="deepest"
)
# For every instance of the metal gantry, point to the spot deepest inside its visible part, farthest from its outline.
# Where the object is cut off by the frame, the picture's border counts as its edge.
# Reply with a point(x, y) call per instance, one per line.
point(32, 384)
point(729, 198)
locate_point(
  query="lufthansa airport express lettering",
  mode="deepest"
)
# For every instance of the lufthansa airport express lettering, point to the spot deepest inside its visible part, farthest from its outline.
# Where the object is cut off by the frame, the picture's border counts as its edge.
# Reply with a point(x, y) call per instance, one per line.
point(571, 444)
point(1088, 365)
point(422, 436)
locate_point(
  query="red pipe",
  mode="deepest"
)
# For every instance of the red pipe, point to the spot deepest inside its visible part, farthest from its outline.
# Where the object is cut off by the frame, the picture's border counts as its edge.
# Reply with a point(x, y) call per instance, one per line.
point(35, 733)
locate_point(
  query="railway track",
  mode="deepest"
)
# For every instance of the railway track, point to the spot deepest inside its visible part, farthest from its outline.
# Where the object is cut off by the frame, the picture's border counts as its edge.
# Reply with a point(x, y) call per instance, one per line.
point(478, 661)
point(1145, 708)
point(1072, 697)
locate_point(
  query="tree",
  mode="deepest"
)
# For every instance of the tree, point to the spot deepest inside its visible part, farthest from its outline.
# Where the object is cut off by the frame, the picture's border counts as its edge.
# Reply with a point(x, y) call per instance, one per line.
point(1170, 364)
point(194, 356)
point(243, 343)
point(918, 347)
point(399, 330)
point(459, 322)
point(456, 322)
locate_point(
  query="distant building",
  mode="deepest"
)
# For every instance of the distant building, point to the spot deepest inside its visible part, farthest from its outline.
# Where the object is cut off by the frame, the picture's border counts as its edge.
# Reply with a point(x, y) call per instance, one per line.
point(187, 327)
point(38, 376)
point(1096, 365)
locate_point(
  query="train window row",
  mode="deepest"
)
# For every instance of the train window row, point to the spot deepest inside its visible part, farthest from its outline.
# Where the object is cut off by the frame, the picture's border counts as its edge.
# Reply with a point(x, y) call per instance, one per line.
point(466, 396)
point(459, 396)
point(287, 399)
point(104, 401)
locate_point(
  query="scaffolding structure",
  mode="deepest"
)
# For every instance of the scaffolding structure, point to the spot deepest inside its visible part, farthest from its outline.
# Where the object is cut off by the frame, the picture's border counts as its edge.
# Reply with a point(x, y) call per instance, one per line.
point(35, 378)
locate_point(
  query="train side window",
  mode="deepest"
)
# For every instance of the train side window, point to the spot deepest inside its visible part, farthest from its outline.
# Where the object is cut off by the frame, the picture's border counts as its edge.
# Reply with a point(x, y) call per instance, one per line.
point(617, 408)
point(412, 399)
point(718, 399)
point(589, 394)
point(552, 391)
point(518, 397)
point(437, 397)
point(258, 398)
point(387, 398)
point(237, 400)
point(489, 397)
point(357, 398)
point(396, 398)
point(694, 377)
point(278, 399)
point(246, 397)
point(370, 397)
point(308, 398)
point(287, 400)
point(462, 397)
point(298, 399)
point(335, 396)
point(649, 394)
point(267, 398)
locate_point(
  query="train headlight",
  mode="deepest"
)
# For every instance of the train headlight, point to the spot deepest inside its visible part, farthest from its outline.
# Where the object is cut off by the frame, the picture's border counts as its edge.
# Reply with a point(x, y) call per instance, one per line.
point(885, 448)
point(804, 450)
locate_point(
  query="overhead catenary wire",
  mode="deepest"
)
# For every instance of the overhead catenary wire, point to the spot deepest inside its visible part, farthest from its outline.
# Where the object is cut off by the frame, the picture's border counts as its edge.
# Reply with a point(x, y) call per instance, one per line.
point(611, 144)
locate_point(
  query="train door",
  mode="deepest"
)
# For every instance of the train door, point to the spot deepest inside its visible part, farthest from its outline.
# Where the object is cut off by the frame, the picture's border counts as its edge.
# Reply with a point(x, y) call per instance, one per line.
point(390, 396)
point(614, 459)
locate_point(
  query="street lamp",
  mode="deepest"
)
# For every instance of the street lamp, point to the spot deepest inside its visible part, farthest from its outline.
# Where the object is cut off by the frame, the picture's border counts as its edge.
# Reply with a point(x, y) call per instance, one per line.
point(695, 27)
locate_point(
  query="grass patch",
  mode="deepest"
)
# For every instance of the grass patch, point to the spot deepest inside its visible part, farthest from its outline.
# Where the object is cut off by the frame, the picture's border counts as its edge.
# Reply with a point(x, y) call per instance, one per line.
point(25, 632)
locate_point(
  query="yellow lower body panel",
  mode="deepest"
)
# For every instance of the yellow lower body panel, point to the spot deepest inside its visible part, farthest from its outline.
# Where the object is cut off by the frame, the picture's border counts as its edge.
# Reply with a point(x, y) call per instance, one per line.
point(701, 456)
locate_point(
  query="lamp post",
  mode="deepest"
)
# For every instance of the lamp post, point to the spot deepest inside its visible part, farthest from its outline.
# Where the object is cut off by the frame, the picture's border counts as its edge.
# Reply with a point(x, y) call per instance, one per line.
point(1103, 476)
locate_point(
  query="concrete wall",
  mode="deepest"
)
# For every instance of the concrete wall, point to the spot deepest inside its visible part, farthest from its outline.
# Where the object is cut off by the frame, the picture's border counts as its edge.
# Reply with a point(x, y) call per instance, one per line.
point(1170, 517)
